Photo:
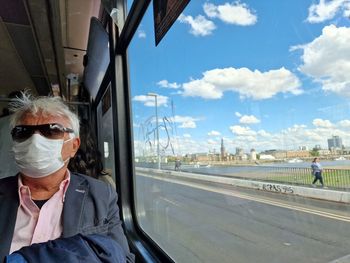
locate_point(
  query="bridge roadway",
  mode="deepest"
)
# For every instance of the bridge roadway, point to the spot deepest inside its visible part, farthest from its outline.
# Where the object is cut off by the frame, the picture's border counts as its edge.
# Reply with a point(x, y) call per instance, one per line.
point(196, 221)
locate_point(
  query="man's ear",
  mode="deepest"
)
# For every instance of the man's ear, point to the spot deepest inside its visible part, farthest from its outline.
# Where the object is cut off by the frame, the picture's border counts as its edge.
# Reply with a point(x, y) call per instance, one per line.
point(76, 144)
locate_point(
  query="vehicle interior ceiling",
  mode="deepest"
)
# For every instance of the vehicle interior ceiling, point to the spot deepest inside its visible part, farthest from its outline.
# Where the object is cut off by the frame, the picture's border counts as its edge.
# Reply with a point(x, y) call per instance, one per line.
point(43, 44)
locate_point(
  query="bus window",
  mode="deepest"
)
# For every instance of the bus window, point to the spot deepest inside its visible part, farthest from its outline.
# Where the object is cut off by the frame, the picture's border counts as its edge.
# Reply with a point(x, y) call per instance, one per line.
point(7, 161)
point(244, 94)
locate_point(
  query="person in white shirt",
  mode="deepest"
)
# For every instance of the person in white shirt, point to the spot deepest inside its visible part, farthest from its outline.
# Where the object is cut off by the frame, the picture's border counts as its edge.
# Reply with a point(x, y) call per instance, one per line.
point(317, 171)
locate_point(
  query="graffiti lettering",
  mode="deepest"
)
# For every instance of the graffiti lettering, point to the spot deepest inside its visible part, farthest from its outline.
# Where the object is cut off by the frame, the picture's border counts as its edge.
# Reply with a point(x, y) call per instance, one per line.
point(278, 188)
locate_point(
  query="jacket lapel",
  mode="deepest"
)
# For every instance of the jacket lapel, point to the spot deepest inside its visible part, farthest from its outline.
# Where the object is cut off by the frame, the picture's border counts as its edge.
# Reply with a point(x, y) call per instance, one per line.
point(73, 205)
point(9, 203)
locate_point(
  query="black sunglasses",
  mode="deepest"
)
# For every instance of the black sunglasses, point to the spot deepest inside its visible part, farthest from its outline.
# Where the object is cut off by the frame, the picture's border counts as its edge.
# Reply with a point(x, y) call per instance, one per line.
point(21, 133)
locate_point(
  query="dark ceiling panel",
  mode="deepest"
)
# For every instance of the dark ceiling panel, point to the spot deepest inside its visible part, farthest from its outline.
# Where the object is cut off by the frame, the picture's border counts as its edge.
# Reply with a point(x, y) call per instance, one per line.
point(13, 74)
point(41, 25)
point(41, 86)
point(23, 40)
point(13, 11)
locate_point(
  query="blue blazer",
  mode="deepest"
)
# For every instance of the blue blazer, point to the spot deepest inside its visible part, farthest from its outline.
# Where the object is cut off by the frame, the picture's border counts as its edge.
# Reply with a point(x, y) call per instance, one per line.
point(79, 248)
point(90, 207)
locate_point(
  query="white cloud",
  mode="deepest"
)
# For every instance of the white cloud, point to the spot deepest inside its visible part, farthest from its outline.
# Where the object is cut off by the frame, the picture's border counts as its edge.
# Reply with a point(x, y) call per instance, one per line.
point(249, 119)
point(212, 142)
point(201, 88)
point(249, 84)
point(263, 133)
point(188, 125)
point(141, 33)
point(290, 138)
point(322, 123)
point(165, 84)
point(238, 114)
point(242, 131)
point(214, 133)
point(246, 138)
point(327, 59)
point(287, 139)
point(344, 123)
point(200, 26)
point(186, 121)
point(149, 101)
point(235, 13)
point(326, 10)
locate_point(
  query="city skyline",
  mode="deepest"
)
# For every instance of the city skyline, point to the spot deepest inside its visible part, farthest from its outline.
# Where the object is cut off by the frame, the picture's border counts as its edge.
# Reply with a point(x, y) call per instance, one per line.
point(221, 150)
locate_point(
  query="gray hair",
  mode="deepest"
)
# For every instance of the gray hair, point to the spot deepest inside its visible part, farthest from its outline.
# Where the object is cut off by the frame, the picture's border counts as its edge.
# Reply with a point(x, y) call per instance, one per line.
point(53, 106)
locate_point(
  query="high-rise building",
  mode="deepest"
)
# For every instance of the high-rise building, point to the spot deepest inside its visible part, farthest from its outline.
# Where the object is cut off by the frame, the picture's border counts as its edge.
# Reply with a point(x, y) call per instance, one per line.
point(222, 150)
point(239, 151)
point(335, 143)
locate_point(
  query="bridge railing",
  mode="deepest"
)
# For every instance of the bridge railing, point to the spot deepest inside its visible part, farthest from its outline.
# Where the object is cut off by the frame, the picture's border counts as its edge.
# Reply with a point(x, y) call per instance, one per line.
point(335, 178)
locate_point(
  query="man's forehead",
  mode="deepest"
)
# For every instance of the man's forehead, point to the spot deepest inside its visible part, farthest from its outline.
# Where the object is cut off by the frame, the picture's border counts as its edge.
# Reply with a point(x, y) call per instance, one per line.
point(42, 118)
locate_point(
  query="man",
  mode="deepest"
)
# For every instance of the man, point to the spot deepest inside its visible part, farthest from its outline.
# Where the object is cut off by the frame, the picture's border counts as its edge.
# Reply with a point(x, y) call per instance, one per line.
point(45, 200)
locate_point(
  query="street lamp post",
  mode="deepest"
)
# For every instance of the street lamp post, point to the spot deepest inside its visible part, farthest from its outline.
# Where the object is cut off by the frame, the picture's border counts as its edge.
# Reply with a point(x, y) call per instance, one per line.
point(156, 104)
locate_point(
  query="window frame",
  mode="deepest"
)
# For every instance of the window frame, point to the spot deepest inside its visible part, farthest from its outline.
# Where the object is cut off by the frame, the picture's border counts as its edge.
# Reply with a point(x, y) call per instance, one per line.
point(141, 244)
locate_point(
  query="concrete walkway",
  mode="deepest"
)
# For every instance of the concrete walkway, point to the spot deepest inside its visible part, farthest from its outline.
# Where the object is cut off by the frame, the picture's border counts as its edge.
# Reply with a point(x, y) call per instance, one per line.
point(317, 193)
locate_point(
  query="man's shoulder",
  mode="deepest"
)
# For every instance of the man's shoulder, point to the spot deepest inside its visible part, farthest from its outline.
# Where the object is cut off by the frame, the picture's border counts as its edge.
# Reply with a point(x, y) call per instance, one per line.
point(88, 180)
point(9, 180)
point(97, 188)
point(8, 185)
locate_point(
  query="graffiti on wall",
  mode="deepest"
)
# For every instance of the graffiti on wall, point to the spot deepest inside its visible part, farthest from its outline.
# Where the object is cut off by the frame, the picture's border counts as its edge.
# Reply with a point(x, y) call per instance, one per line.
point(278, 188)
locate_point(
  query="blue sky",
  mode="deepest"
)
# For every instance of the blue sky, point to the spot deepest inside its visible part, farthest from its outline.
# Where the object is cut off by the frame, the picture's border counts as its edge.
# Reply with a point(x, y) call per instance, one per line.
point(260, 74)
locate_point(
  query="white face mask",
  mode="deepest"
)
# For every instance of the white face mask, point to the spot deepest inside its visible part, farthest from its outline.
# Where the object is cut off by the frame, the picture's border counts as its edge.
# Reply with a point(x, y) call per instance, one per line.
point(38, 156)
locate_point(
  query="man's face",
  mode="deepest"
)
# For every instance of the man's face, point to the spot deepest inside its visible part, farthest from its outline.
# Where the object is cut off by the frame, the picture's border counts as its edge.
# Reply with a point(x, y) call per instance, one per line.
point(70, 147)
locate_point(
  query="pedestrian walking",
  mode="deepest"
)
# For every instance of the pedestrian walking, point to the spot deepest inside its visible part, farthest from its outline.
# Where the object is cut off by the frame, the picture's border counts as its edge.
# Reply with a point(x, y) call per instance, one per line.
point(317, 171)
point(177, 165)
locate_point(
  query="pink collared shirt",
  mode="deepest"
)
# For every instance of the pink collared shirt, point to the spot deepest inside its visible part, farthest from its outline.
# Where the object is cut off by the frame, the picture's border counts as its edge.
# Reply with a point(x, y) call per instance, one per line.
point(34, 225)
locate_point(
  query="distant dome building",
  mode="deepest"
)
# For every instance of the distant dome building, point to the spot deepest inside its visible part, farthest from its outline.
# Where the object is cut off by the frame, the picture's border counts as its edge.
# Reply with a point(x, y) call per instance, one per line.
point(253, 155)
